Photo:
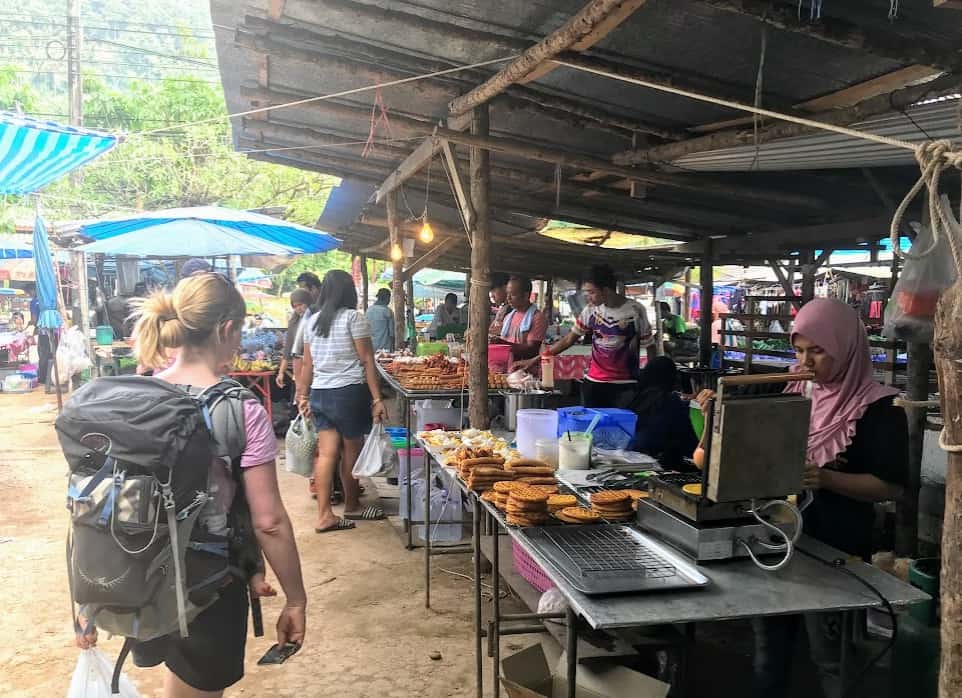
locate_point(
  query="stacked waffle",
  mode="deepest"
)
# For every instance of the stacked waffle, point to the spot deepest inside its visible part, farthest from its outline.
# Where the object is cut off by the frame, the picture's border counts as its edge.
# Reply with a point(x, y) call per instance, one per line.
point(534, 472)
point(482, 477)
point(577, 515)
point(526, 507)
point(501, 491)
point(557, 502)
point(612, 505)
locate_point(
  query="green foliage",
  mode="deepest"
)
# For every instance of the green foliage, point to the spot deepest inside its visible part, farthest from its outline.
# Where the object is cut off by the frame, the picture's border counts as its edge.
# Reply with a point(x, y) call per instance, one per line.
point(15, 92)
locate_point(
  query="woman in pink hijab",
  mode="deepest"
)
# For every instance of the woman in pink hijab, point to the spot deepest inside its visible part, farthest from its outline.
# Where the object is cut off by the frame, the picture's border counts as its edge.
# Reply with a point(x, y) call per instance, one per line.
point(858, 455)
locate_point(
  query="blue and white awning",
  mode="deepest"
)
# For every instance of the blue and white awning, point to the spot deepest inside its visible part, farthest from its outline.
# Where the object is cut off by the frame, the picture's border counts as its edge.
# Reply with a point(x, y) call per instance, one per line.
point(34, 153)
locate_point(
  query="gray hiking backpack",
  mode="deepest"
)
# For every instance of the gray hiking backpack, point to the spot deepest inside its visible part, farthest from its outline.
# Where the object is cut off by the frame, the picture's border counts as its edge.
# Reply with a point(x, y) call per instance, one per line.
point(157, 525)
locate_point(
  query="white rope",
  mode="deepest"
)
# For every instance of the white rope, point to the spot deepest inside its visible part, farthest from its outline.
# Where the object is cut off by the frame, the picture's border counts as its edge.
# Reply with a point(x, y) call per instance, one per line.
point(884, 140)
point(334, 95)
point(951, 448)
point(934, 158)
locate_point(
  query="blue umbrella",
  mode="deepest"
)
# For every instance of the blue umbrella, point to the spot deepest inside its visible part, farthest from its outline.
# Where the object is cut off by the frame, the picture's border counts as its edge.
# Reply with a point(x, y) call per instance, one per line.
point(46, 278)
point(203, 231)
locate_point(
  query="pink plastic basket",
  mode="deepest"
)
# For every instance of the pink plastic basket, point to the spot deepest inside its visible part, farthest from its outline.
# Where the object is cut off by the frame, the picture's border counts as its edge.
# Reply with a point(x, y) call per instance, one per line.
point(530, 570)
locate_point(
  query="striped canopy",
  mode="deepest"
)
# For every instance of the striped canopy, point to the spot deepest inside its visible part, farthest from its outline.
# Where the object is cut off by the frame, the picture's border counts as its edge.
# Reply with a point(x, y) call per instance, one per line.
point(34, 153)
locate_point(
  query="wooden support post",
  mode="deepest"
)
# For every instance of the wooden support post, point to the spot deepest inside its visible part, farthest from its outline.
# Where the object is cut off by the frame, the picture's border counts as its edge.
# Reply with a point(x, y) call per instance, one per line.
point(409, 320)
point(907, 511)
point(480, 275)
point(83, 296)
point(365, 288)
point(808, 275)
point(549, 299)
point(397, 285)
point(707, 293)
point(684, 309)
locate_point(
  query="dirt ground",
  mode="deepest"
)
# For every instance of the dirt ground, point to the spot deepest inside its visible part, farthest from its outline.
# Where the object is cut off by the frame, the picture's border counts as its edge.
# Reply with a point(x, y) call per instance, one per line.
point(368, 632)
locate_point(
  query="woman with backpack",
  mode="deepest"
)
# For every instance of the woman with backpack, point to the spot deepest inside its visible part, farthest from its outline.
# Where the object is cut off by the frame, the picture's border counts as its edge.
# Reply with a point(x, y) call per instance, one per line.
point(345, 397)
point(203, 319)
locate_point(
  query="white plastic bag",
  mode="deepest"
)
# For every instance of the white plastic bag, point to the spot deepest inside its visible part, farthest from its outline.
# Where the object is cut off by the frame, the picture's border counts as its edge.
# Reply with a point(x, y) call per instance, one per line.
point(91, 678)
point(910, 314)
point(300, 443)
point(72, 354)
point(377, 458)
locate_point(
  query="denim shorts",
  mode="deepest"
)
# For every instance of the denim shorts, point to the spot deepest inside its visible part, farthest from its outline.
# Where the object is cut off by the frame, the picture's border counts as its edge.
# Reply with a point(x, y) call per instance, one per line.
point(347, 410)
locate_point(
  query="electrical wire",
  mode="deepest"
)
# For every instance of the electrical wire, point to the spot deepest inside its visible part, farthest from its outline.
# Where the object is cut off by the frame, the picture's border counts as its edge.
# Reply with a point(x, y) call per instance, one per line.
point(839, 564)
point(788, 546)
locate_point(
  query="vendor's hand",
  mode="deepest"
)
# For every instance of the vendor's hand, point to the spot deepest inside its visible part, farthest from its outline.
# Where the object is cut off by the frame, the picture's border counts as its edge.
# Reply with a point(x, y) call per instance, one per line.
point(379, 411)
point(812, 480)
point(280, 379)
point(304, 406)
point(524, 364)
point(291, 625)
point(260, 587)
point(704, 398)
point(88, 640)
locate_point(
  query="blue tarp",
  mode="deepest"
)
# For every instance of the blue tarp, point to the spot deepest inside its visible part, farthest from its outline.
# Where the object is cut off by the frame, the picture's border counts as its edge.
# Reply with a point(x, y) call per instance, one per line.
point(203, 231)
point(34, 153)
point(46, 278)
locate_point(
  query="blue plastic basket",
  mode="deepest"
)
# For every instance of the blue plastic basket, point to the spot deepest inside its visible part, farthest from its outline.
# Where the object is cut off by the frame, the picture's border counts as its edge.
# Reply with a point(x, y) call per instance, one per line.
point(615, 429)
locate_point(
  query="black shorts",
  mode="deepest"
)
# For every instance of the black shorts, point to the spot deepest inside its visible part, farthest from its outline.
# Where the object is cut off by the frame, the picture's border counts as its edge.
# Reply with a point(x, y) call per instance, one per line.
point(212, 657)
point(347, 410)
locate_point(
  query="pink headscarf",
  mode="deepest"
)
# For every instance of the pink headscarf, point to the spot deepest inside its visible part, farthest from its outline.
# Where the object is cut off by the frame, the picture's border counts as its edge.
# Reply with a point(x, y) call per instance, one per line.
point(838, 404)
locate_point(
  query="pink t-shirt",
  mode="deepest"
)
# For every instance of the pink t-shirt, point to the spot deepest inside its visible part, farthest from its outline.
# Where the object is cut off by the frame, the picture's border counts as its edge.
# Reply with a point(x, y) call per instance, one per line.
point(261, 442)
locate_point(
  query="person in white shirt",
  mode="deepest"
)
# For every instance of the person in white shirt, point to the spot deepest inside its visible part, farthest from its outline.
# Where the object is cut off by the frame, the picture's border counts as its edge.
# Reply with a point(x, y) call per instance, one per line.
point(344, 399)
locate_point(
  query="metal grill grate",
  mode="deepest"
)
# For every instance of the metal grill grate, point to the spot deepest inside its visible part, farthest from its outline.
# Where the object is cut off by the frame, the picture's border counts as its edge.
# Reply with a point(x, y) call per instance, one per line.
point(681, 479)
point(593, 550)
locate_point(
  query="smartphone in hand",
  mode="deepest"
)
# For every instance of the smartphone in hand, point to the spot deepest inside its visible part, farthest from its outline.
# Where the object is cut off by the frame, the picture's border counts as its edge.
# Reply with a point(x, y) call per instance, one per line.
point(278, 654)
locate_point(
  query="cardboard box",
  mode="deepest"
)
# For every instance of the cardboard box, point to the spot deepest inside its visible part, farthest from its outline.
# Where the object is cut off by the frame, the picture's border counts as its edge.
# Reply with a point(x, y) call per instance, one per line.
point(540, 671)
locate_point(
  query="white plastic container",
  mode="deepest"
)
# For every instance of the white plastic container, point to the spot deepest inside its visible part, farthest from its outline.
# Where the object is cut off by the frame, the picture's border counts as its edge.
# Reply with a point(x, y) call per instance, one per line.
point(547, 450)
point(534, 425)
point(574, 453)
point(436, 412)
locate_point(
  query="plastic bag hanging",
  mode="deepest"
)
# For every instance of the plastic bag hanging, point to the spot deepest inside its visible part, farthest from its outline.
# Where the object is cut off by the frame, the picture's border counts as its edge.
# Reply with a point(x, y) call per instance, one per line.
point(911, 310)
point(91, 678)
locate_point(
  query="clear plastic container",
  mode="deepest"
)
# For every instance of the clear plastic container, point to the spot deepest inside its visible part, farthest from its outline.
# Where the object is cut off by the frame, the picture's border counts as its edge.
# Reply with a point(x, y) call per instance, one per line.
point(534, 425)
point(574, 451)
point(547, 450)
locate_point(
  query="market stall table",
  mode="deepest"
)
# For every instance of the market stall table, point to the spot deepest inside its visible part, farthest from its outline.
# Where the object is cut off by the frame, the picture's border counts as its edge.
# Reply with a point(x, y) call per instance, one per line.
point(737, 590)
point(260, 383)
point(405, 398)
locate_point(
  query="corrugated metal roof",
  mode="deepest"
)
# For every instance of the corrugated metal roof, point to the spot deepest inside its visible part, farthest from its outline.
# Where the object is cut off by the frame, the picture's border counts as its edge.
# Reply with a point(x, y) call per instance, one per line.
point(822, 151)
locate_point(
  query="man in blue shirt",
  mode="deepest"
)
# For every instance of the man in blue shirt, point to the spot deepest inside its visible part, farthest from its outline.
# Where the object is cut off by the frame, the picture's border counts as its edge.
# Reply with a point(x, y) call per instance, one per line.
point(382, 322)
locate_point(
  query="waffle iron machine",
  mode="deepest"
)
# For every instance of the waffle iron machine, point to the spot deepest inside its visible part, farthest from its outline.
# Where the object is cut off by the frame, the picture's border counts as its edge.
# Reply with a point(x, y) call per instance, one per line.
point(737, 506)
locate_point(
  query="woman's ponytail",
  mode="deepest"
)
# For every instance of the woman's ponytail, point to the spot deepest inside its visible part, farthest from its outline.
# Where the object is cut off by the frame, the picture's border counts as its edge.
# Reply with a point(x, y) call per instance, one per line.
point(157, 330)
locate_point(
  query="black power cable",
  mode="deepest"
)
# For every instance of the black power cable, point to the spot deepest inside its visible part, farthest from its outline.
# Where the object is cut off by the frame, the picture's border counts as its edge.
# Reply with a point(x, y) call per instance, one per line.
point(839, 564)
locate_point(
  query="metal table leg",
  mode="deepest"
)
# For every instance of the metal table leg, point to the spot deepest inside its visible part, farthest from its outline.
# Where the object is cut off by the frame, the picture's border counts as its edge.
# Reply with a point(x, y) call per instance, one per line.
point(572, 651)
point(479, 662)
point(407, 522)
point(495, 640)
point(845, 657)
point(427, 529)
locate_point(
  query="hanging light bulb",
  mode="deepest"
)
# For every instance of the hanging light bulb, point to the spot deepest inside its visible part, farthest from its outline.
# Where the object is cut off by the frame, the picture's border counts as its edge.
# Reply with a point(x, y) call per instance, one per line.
point(397, 254)
point(427, 233)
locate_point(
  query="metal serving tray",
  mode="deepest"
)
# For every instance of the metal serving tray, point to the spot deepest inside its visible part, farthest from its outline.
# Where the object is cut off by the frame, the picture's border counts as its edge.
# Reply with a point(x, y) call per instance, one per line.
point(609, 558)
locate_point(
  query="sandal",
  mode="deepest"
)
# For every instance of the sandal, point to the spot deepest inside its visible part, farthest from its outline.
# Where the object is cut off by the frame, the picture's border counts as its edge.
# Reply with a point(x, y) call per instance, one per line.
point(368, 514)
point(340, 525)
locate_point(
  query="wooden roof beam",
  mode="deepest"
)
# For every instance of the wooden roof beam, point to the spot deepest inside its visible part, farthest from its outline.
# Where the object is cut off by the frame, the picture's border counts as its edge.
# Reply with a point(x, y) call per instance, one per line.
point(592, 19)
point(696, 183)
point(412, 164)
point(764, 244)
point(916, 49)
point(874, 106)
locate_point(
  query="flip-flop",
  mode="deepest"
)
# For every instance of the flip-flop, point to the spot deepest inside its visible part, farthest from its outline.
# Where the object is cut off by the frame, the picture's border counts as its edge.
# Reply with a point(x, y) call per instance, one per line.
point(341, 525)
point(368, 514)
